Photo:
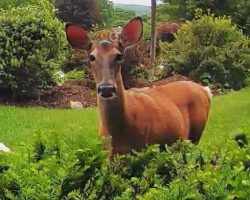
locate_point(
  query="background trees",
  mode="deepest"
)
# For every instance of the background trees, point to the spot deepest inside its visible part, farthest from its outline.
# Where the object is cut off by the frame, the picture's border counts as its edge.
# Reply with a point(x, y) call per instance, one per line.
point(84, 12)
point(238, 10)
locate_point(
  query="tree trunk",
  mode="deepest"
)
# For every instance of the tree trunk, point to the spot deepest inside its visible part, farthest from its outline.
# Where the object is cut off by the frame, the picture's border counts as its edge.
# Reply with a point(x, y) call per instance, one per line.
point(153, 33)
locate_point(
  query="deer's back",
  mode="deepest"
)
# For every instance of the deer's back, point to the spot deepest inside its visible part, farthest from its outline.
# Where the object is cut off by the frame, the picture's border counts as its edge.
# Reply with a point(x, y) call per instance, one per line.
point(165, 113)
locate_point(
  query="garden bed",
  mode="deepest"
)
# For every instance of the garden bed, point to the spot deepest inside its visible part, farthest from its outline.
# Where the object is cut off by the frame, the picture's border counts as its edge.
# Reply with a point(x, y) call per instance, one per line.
point(62, 96)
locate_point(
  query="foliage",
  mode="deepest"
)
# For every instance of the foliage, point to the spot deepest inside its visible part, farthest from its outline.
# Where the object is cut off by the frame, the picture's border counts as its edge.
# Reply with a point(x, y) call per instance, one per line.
point(32, 46)
point(181, 171)
point(74, 74)
point(182, 9)
point(138, 9)
point(106, 8)
point(209, 50)
point(8, 4)
point(101, 13)
point(242, 17)
point(5, 4)
point(146, 27)
point(113, 16)
point(84, 12)
point(121, 17)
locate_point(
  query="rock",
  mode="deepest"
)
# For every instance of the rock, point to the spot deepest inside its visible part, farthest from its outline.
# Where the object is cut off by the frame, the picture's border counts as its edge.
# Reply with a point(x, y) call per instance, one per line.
point(3, 148)
point(241, 140)
point(76, 104)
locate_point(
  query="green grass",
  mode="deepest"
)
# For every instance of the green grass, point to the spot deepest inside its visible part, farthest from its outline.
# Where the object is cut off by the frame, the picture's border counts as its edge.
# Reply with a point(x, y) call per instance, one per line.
point(230, 115)
point(19, 125)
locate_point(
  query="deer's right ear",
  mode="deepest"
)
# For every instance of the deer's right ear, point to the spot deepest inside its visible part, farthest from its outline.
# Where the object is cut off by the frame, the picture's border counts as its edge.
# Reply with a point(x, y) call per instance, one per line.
point(77, 37)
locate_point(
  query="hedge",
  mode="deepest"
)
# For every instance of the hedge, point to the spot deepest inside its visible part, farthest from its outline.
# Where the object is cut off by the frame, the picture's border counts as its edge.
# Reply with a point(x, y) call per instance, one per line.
point(32, 48)
point(210, 50)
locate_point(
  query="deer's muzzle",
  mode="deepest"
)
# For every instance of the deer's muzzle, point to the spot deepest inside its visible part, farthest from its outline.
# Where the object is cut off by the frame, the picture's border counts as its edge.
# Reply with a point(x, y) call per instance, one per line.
point(106, 91)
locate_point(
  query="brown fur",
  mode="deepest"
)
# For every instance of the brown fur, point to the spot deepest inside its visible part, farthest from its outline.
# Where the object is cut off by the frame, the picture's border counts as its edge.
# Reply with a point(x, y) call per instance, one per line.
point(156, 115)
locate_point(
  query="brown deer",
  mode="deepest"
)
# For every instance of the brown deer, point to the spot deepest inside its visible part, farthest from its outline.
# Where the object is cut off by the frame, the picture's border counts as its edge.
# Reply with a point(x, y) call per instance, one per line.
point(135, 118)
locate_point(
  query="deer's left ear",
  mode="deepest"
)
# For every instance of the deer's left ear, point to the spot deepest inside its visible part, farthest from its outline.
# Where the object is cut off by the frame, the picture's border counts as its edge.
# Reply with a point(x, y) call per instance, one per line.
point(132, 32)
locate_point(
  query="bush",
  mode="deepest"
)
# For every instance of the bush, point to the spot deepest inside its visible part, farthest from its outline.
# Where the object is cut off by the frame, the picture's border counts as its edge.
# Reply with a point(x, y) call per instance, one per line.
point(6, 4)
point(74, 74)
point(52, 170)
point(209, 50)
point(32, 45)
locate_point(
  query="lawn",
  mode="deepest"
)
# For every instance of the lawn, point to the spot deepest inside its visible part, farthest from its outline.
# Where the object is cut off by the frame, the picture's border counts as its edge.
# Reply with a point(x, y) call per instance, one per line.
point(230, 115)
point(18, 125)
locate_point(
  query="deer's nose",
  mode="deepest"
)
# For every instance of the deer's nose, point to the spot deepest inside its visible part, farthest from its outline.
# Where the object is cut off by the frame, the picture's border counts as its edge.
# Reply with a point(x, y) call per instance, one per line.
point(106, 91)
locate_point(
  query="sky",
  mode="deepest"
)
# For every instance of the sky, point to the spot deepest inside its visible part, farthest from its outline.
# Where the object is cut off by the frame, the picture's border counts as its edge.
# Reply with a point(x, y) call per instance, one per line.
point(137, 2)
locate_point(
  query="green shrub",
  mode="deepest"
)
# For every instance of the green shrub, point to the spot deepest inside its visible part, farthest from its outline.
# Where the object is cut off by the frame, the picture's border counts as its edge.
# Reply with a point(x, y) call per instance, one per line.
point(74, 74)
point(32, 45)
point(209, 50)
point(6, 4)
point(51, 170)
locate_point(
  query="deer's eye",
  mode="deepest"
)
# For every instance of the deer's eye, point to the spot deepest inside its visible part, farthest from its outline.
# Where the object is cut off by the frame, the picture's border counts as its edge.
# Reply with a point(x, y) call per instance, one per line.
point(92, 58)
point(119, 58)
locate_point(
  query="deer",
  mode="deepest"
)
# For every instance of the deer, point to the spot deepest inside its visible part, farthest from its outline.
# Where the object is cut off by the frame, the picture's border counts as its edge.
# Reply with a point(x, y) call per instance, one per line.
point(135, 118)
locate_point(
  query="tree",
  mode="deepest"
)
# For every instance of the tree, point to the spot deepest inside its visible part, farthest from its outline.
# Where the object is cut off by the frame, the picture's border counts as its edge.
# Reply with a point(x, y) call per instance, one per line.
point(106, 8)
point(113, 16)
point(238, 10)
point(84, 12)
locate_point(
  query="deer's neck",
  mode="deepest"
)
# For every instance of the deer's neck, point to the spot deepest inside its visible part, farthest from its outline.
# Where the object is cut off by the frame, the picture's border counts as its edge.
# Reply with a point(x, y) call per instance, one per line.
point(112, 111)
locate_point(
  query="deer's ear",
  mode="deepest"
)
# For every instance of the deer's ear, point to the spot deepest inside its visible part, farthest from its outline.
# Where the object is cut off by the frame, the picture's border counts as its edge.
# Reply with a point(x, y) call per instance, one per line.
point(132, 32)
point(77, 37)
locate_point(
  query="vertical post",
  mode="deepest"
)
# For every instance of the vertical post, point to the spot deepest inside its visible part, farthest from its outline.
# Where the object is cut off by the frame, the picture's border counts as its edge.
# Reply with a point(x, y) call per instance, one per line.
point(153, 33)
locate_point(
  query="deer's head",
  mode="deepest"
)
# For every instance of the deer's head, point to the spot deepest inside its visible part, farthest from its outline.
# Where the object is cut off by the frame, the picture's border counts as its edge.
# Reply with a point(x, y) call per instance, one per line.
point(106, 57)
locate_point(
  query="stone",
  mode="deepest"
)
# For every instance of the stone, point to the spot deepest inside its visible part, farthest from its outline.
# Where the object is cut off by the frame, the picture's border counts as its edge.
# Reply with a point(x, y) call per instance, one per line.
point(4, 149)
point(76, 104)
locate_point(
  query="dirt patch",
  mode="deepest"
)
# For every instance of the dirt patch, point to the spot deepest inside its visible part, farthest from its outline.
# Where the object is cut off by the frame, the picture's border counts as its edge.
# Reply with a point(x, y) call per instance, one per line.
point(84, 91)
point(61, 96)
point(73, 91)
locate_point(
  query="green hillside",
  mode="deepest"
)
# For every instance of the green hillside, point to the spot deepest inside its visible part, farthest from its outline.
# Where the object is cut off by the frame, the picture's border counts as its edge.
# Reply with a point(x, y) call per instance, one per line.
point(138, 9)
